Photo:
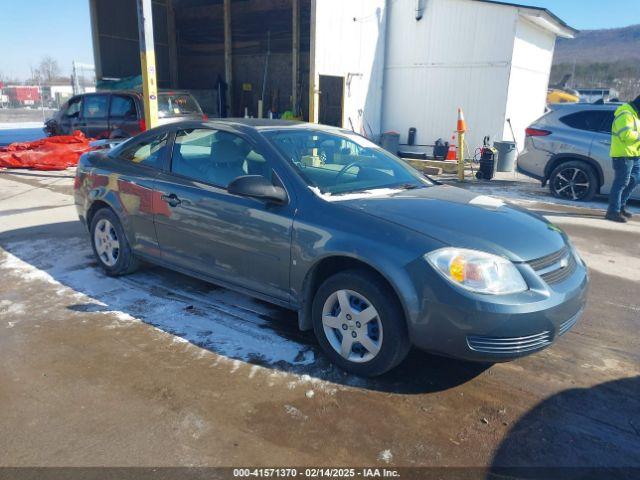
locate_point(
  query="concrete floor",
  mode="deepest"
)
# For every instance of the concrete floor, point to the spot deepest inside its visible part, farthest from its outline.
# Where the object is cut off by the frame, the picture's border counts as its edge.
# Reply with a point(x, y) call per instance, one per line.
point(156, 369)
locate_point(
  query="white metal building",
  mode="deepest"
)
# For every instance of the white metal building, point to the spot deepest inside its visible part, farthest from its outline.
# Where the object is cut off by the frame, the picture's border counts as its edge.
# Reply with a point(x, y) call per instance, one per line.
point(411, 63)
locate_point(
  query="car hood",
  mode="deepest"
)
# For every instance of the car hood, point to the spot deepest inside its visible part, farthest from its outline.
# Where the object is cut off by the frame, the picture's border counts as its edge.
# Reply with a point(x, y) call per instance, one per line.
point(465, 219)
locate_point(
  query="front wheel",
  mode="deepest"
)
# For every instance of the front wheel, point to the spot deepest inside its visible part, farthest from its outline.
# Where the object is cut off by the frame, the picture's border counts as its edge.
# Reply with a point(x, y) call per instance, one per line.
point(110, 245)
point(574, 180)
point(359, 323)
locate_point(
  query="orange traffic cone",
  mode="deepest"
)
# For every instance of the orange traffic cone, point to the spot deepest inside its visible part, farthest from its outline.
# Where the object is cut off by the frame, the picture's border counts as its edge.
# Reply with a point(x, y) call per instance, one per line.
point(462, 125)
point(451, 154)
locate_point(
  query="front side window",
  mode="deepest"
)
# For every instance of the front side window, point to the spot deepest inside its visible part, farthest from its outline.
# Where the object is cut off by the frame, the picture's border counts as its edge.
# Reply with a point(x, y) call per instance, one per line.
point(339, 164)
point(215, 157)
point(150, 152)
point(73, 109)
point(95, 106)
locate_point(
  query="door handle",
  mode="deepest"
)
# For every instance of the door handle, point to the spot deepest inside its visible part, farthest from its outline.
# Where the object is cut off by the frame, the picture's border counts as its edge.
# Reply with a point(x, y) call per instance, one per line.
point(605, 142)
point(172, 199)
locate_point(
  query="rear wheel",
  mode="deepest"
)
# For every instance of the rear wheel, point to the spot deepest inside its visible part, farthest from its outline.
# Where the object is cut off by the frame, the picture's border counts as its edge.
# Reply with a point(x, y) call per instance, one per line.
point(110, 245)
point(574, 180)
point(359, 323)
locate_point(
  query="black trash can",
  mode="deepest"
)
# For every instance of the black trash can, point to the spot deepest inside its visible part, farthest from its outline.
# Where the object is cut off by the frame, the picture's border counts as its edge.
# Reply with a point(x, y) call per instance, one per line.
point(487, 164)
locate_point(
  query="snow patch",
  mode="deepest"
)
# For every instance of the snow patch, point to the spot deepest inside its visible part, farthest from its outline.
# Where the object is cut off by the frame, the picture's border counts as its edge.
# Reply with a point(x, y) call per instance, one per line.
point(230, 324)
point(373, 193)
point(385, 456)
point(295, 412)
point(487, 201)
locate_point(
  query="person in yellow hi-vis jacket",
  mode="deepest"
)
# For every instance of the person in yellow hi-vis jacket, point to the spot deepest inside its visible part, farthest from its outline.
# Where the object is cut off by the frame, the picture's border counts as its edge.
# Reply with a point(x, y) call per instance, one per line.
point(625, 155)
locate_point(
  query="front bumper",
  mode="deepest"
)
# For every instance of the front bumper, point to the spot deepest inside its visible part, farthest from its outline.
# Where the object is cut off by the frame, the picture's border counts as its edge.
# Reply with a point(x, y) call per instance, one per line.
point(485, 328)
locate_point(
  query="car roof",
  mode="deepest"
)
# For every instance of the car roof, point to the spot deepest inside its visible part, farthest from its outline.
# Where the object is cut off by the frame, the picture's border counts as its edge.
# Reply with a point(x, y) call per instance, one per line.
point(276, 124)
point(136, 92)
point(256, 125)
point(566, 107)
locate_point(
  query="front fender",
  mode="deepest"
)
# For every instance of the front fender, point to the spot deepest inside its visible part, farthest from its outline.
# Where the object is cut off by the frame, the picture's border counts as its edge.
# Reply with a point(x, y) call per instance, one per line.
point(334, 234)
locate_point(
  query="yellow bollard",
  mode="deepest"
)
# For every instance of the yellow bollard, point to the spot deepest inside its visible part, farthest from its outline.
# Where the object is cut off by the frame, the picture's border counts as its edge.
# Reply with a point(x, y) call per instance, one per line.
point(461, 156)
point(461, 128)
point(148, 63)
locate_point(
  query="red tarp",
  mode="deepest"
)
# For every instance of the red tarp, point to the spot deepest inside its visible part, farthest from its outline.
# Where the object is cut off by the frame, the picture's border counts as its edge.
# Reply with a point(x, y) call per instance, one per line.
point(51, 153)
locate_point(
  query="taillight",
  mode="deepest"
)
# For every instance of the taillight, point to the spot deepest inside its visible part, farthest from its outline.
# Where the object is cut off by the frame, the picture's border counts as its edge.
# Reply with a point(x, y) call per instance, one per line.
point(142, 125)
point(536, 132)
point(204, 117)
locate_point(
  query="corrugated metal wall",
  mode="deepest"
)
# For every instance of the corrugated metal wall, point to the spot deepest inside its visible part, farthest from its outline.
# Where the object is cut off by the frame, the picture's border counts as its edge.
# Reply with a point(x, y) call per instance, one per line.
point(350, 43)
point(530, 70)
point(458, 54)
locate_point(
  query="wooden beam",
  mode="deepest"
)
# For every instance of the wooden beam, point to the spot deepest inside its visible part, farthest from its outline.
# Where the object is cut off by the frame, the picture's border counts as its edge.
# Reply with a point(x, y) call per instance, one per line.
point(295, 53)
point(228, 61)
point(313, 74)
point(173, 45)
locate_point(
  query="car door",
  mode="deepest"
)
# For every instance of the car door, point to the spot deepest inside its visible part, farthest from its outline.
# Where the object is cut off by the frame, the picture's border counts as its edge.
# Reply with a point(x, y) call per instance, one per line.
point(601, 148)
point(130, 178)
point(124, 120)
point(238, 240)
point(70, 117)
point(94, 120)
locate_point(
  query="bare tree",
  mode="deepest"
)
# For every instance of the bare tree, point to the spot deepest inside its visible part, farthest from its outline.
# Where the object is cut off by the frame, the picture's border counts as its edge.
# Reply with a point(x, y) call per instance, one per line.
point(48, 69)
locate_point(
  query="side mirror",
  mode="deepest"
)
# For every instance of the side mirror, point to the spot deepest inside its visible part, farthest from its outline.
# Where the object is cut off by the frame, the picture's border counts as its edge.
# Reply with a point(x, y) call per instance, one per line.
point(256, 186)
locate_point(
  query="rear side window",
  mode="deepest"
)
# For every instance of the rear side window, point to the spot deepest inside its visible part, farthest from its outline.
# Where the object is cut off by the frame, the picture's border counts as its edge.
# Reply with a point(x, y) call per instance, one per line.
point(607, 122)
point(95, 106)
point(176, 105)
point(122, 107)
point(150, 152)
point(588, 120)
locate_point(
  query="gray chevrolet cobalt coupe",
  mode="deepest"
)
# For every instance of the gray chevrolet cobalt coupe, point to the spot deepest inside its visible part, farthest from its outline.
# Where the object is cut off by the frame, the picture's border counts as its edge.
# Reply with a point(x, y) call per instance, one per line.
point(372, 255)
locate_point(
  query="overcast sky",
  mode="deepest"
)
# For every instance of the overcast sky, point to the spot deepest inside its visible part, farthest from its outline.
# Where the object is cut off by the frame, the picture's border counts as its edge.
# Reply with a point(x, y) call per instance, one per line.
point(30, 29)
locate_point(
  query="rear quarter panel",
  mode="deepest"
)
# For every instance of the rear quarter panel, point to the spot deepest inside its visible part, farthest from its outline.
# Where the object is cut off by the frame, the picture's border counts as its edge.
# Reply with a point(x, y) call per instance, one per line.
point(125, 188)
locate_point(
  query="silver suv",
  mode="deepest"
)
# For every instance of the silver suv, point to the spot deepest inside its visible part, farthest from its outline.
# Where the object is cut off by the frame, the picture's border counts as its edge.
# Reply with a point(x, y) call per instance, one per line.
point(568, 148)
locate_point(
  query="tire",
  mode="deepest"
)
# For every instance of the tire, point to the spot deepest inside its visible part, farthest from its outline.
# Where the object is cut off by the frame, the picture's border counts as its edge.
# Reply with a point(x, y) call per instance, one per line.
point(384, 333)
point(574, 180)
point(110, 245)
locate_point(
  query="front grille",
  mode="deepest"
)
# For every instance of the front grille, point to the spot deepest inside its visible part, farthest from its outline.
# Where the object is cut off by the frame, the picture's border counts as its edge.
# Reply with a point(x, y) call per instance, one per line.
point(561, 273)
point(549, 260)
point(556, 267)
point(509, 345)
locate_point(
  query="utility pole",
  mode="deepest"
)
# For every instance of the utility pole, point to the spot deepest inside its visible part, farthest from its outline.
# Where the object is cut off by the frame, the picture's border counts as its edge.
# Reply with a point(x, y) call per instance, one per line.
point(148, 63)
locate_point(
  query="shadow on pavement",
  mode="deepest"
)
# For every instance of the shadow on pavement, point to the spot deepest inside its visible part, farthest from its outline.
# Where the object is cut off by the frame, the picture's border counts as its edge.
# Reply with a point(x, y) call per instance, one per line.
point(204, 307)
point(585, 433)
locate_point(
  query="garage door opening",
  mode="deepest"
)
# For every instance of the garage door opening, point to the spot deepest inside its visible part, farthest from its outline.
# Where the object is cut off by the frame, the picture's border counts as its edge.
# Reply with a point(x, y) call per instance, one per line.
point(269, 53)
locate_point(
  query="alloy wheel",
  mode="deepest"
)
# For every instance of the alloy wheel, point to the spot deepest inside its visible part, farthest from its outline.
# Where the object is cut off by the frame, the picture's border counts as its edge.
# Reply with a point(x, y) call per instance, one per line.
point(352, 326)
point(572, 183)
point(106, 242)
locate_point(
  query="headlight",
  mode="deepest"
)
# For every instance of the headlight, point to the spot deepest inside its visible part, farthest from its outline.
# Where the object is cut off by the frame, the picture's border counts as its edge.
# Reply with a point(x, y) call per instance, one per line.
point(477, 271)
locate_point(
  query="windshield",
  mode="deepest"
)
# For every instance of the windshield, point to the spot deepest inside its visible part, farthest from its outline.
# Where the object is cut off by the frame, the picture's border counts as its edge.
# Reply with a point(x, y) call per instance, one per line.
point(177, 104)
point(340, 164)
